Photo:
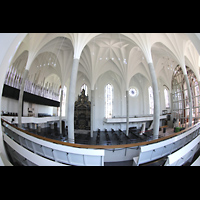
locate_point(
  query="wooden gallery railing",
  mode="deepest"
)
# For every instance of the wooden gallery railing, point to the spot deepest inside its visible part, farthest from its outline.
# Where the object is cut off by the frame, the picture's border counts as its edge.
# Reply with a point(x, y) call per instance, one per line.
point(32, 149)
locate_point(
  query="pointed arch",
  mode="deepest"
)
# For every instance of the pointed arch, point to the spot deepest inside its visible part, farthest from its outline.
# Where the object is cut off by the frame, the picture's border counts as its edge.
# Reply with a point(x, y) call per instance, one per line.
point(84, 87)
point(151, 101)
point(109, 100)
point(108, 66)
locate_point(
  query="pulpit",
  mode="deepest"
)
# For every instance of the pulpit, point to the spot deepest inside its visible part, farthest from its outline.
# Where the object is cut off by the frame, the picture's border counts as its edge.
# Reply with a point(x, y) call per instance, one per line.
point(82, 112)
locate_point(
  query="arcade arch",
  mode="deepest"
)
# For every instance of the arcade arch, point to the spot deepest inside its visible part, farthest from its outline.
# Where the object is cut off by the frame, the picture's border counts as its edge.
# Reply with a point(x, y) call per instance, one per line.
point(127, 54)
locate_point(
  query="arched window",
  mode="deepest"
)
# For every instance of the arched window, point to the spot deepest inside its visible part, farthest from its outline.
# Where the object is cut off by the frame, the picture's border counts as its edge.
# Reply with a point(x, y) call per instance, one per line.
point(166, 94)
point(84, 86)
point(151, 102)
point(108, 100)
point(133, 92)
point(180, 96)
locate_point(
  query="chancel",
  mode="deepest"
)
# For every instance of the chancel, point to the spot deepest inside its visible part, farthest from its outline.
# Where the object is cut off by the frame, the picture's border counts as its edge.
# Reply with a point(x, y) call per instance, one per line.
point(82, 112)
point(98, 99)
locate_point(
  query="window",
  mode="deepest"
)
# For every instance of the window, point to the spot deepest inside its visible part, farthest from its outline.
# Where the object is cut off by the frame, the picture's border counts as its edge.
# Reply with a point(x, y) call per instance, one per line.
point(151, 101)
point(63, 101)
point(133, 92)
point(166, 94)
point(108, 100)
point(84, 86)
point(180, 97)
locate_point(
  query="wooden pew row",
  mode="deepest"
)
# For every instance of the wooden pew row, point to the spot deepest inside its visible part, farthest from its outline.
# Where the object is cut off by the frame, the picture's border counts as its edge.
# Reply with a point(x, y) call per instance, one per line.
point(151, 152)
point(184, 154)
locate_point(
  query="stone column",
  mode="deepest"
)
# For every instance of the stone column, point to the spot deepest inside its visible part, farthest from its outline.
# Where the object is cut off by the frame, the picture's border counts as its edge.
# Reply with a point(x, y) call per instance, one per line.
point(61, 98)
point(92, 112)
point(71, 100)
point(190, 99)
point(20, 102)
point(127, 112)
point(156, 116)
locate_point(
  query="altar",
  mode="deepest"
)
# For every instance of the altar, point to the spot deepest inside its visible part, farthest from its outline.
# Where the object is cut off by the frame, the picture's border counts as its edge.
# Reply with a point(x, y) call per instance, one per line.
point(82, 110)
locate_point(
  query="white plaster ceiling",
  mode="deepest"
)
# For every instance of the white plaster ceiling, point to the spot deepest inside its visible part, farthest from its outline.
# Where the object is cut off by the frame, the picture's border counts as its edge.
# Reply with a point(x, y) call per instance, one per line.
point(125, 54)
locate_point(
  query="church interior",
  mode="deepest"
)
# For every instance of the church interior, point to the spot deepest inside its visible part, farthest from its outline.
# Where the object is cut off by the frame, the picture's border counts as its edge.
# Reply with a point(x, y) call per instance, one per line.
point(124, 98)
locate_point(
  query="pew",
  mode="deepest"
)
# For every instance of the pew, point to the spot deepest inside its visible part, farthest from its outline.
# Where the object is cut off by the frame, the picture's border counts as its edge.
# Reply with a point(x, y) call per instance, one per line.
point(133, 130)
point(107, 138)
point(184, 154)
point(156, 151)
point(148, 134)
point(86, 139)
point(40, 152)
point(129, 140)
point(118, 138)
point(4, 161)
point(98, 138)
point(196, 162)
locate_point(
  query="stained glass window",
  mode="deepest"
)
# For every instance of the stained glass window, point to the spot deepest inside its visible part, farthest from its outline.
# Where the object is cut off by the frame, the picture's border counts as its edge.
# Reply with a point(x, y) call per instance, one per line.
point(133, 92)
point(108, 100)
point(84, 86)
point(166, 94)
point(151, 102)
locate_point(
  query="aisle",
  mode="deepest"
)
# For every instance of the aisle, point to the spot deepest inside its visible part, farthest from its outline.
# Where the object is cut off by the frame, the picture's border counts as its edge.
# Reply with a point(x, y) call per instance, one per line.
point(106, 138)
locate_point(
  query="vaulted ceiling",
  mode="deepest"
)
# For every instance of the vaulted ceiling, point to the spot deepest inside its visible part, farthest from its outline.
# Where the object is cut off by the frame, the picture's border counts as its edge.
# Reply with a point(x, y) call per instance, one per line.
point(49, 56)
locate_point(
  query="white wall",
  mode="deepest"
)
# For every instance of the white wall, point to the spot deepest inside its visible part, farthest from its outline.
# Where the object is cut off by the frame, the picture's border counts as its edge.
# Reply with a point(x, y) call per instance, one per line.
point(118, 95)
point(9, 105)
point(82, 79)
point(37, 109)
point(138, 105)
point(9, 44)
point(161, 88)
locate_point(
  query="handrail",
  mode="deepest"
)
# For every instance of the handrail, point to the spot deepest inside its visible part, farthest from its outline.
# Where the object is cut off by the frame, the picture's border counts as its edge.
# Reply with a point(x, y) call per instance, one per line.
point(101, 146)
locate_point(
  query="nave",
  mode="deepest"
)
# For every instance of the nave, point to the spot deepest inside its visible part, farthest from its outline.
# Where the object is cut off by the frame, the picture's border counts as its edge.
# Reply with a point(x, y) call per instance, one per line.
point(158, 162)
point(125, 74)
point(100, 137)
point(159, 152)
point(81, 138)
